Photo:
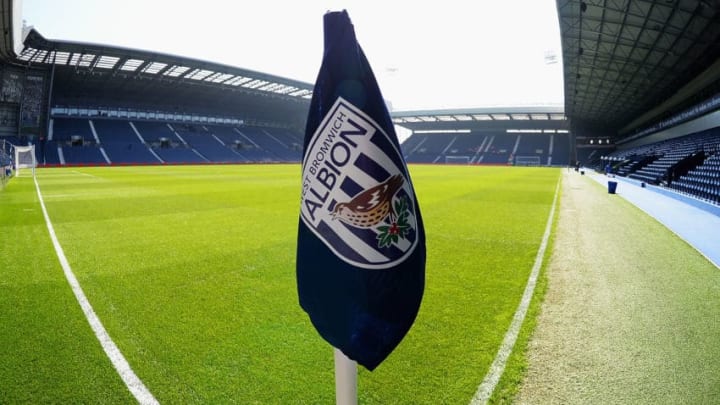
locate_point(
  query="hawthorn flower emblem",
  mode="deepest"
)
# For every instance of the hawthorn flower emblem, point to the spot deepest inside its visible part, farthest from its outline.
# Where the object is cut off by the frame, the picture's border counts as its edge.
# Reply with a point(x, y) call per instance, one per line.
point(396, 225)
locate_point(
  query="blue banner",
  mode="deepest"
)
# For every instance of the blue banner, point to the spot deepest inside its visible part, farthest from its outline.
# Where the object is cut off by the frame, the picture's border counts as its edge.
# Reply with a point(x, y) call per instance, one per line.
point(361, 243)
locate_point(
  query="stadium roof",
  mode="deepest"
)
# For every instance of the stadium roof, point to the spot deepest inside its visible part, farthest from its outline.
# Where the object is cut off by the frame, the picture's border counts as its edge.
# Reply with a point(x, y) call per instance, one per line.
point(628, 63)
point(132, 63)
point(95, 76)
point(479, 119)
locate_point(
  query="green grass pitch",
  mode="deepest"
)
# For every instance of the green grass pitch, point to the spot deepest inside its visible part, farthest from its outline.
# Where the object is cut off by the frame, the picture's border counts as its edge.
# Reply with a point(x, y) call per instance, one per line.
point(191, 269)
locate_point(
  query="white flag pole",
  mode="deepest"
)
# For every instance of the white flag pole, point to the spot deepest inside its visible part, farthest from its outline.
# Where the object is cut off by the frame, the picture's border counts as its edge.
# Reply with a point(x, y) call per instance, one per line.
point(345, 379)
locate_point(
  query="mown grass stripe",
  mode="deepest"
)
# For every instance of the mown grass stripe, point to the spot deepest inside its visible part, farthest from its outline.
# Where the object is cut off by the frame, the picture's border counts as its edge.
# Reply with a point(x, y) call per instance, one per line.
point(486, 388)
point(131, 380)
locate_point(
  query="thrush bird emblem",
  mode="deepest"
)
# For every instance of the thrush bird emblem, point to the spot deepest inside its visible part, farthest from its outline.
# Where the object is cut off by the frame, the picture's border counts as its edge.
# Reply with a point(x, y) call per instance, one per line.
point(357, 196)
point(371, 206)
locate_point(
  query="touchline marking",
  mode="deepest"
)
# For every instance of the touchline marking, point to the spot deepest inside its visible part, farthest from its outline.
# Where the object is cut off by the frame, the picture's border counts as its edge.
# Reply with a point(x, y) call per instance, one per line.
point(131, 380)
point(497, 367)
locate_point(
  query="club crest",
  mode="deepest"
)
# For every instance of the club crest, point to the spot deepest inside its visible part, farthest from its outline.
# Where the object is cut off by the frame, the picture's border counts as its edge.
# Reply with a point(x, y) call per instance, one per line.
point(356, 196)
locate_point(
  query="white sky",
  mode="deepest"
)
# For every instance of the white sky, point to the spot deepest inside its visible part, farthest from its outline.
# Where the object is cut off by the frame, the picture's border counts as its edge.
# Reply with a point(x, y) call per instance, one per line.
point(425, 55)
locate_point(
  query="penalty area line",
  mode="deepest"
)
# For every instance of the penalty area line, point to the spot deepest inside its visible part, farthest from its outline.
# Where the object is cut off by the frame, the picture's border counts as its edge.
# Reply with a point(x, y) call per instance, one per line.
point(131, 380)
point(486, 388)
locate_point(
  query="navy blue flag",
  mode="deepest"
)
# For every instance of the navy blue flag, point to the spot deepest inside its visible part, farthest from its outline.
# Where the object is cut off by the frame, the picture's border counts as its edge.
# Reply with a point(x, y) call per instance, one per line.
point(361, 243)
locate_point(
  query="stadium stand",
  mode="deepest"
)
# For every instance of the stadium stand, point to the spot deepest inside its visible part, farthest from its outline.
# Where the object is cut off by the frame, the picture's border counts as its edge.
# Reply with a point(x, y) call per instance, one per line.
point(689, 164)
point(196, 112)
point(73, 141)
point(464, 145)
point(165, 143)
point(290, 146)
point(534, 145)
point(231, 139)
point(90, 104)
point(205, 143)
point(68, 129)
point(500, 149)
point(430, 148)
point(105, 105)
point(79, 141)
point(492, 135)
point(483, 147)
point(264, 147)
point(6, 163)
point(121, 143)
point(590, 157)
point(559, 150)
point(703, 181)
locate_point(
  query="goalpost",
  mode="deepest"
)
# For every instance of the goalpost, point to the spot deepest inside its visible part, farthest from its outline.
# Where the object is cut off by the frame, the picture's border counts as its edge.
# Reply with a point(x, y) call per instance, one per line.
point(457, 160)
point(527, 161)
point(25, 159)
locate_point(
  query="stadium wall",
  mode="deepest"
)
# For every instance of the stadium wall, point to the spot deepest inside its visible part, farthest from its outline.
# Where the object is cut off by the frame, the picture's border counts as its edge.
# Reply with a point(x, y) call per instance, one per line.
point(707, 121)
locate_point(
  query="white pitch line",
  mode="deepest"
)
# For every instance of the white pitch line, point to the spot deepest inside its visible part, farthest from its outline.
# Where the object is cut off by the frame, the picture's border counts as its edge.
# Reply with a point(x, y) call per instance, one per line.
point(131, 380)
point(497, 367)
point(86, 174)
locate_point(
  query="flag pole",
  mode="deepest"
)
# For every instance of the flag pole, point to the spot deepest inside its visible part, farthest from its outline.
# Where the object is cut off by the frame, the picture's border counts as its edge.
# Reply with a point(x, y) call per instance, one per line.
point(345, 379)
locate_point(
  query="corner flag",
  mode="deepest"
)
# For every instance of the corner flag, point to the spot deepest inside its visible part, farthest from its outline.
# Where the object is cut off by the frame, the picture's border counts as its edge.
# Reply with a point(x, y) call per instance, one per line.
point(361, 243)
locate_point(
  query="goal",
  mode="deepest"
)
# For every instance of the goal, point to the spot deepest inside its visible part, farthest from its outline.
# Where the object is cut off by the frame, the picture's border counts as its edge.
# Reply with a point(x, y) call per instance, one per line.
point(25, 159)
point(457, 160)
point(527, 161)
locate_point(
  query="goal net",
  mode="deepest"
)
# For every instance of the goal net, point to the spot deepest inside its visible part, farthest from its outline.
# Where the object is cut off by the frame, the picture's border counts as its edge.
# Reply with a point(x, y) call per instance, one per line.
point(527, 161)
point(457, 160)
point(25, 161)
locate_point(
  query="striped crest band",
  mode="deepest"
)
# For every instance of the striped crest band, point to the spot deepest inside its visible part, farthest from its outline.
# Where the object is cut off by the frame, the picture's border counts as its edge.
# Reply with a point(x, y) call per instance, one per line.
point(356, 194)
